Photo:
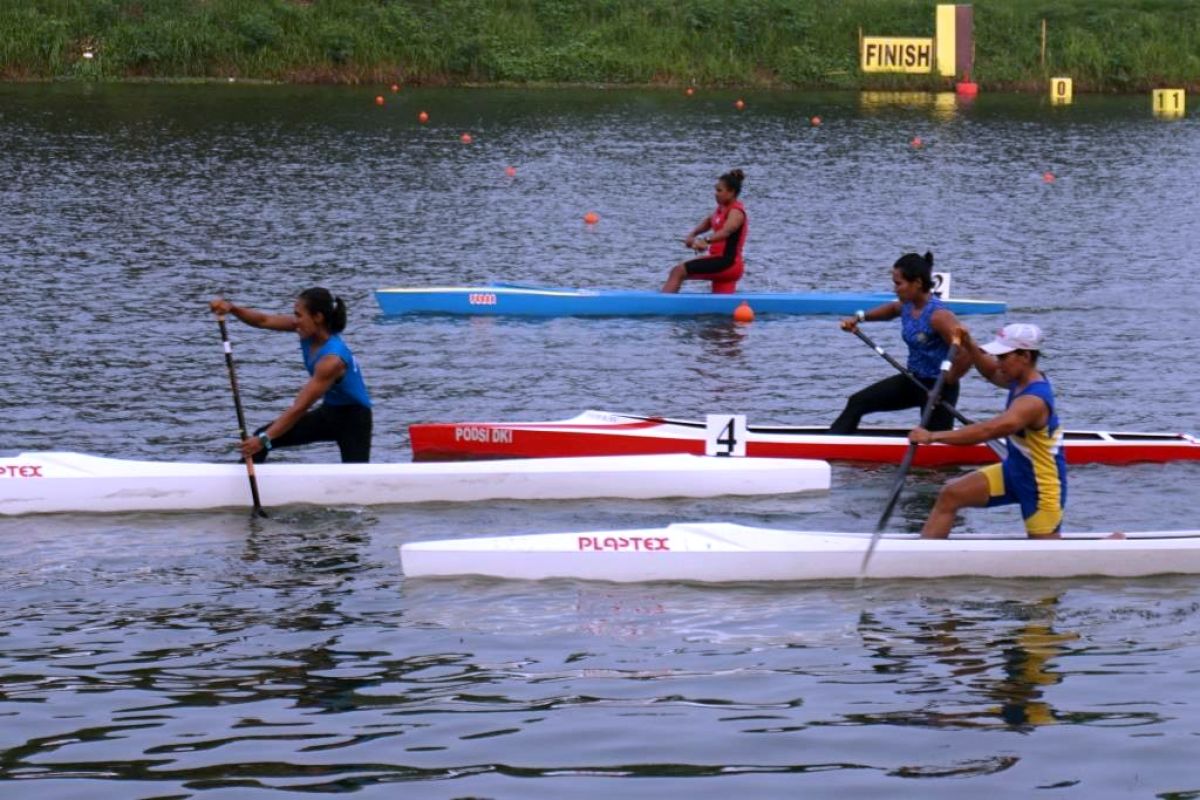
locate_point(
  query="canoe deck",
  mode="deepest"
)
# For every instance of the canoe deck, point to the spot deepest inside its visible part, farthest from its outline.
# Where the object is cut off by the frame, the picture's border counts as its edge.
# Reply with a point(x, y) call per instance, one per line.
point(506, 299)
point(52, 482)
point(724, 552)
point(601, 433)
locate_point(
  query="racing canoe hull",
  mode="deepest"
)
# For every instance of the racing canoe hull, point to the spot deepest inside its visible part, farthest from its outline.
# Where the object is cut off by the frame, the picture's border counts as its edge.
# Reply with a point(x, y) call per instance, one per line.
point(724, 552)
point(71, 482)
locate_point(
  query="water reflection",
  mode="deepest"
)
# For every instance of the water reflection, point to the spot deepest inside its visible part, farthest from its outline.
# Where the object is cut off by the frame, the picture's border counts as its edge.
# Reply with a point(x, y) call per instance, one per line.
point(308, 543)
point(719, 337)
point(941, 105)
point(1010, 667)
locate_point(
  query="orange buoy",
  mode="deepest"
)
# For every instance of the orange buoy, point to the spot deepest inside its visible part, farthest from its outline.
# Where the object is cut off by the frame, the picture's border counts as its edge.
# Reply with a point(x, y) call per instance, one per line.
point(378, 99)
point(689, 91)
point(916, 143)
point(1048, 177)
point(395, 87)
point(815, 121)
point(743, 313)
point(591, 218)
point(423, 117)
point(510, 172)
point(740, 104)
point(465, 138)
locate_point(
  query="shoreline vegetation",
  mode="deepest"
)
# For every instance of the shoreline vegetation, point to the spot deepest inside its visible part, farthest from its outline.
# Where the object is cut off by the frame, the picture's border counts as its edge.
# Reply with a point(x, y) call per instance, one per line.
point(1103, 45)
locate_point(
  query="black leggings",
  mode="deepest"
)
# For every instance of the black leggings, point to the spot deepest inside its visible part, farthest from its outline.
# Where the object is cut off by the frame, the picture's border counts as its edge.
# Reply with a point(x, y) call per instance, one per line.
point(893, 394)
point(709, 265)
point(349, 426)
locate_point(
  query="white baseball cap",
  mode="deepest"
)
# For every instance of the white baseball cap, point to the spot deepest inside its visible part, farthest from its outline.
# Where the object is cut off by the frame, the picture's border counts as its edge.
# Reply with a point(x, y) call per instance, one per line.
point(1017, 336)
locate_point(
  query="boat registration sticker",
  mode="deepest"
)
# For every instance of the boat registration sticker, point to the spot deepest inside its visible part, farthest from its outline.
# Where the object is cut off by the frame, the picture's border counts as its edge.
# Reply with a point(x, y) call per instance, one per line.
point(481, 299)
point(725, 435)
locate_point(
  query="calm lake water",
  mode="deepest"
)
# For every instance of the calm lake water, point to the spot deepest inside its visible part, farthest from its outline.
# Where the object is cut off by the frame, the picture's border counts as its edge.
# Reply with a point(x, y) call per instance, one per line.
point(210, 655)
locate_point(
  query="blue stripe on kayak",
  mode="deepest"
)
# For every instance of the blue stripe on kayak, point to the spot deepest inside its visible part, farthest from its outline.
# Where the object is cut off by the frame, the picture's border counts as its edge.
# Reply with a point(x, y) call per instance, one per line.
point(544, 301)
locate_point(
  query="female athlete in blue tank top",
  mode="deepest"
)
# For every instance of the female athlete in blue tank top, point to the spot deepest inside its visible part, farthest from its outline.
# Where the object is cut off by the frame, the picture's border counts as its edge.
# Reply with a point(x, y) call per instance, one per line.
point(344, 415)
point(927, 327)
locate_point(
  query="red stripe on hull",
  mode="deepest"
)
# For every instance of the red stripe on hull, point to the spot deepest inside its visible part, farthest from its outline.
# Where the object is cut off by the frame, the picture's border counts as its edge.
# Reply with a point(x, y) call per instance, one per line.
point(467, 441)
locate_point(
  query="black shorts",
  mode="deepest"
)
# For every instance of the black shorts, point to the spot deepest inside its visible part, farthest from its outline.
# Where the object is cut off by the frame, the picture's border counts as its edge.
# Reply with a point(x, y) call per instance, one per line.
point(709, 265)
point(349, 426)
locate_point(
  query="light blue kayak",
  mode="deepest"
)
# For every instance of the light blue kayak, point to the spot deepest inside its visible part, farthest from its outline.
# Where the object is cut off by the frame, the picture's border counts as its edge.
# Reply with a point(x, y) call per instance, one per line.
point(507, 299)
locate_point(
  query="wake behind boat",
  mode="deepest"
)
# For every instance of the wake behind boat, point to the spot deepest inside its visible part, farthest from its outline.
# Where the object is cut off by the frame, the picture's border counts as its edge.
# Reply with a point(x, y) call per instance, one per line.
point(51, 482)
point(600, 433)
point(497, 299)
point(724, 552)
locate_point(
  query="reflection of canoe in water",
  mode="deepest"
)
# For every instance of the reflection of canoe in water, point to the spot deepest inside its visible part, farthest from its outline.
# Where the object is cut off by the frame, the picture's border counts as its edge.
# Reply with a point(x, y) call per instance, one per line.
point(723, 552)
point(500, 299)
point(51, 482)
point(599, 433)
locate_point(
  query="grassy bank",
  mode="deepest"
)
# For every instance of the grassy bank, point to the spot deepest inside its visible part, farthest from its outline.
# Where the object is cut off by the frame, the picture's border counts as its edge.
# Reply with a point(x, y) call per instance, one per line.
point(1105, 45)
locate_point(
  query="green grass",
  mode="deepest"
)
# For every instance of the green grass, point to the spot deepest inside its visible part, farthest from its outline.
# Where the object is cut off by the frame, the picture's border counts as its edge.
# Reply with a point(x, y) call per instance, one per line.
point(1105, 45)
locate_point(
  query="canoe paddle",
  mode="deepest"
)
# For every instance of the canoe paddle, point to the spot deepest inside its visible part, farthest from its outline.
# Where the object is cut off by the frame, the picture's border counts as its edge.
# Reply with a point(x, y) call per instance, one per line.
point(930, 405)
point(237, 404)
point(997, 447)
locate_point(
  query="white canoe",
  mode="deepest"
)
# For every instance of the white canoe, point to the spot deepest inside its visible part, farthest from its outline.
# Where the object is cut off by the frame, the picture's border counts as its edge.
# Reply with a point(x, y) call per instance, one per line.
point(723, 552)
point(34, 483)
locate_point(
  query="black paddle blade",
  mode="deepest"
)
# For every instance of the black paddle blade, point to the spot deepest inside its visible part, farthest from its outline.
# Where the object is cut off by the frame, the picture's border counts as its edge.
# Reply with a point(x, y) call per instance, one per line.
point(930, 404)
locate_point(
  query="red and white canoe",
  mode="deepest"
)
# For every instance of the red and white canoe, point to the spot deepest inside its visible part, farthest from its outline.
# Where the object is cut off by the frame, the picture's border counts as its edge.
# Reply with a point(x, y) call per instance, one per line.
point(600, 433)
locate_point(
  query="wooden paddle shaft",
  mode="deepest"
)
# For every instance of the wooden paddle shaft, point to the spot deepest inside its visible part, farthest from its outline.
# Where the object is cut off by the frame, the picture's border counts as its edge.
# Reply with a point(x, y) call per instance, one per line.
point(241, 416)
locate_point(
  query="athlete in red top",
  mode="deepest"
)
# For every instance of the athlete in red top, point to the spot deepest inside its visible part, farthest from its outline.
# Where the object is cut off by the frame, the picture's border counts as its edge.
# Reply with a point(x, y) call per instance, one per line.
point(723, 264)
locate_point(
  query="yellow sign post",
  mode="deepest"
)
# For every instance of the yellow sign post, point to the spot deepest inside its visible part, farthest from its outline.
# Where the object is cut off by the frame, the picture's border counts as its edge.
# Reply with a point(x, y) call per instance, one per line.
point(947, 46)
point(897, 54)
point(1169, 102)
point(1061, 91)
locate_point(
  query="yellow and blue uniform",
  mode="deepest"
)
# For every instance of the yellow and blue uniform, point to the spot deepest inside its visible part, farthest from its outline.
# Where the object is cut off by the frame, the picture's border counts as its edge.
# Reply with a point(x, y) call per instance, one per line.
point(1034, 474)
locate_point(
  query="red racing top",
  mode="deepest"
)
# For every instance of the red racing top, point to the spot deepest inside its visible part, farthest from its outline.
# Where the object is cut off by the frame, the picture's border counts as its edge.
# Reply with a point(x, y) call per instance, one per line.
point(738, 239)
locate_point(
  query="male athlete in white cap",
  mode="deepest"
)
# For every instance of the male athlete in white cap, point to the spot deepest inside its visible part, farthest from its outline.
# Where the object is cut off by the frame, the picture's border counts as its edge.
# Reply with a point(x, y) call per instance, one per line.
point(1034, 473)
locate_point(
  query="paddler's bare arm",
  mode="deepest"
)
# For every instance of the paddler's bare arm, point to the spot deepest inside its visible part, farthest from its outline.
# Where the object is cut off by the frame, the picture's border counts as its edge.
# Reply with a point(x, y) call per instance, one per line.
point(947, 325)
point(704, 225)
point(1025, 412)
point(252, 317)
point(986, 363)
point(732, 223)
point(880, 313)
point(328, 371)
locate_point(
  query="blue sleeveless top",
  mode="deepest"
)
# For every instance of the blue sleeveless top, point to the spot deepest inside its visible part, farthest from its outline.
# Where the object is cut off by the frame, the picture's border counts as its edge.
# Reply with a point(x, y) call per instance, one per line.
point(349, 390)
point(926, 348)
point(1035, 467)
